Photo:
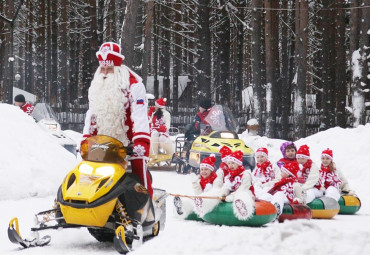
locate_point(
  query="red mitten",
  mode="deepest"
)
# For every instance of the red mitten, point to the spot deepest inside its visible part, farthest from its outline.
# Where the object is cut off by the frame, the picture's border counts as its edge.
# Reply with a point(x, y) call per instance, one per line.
point(141, 148)
point(151, 110)
point(162, 129)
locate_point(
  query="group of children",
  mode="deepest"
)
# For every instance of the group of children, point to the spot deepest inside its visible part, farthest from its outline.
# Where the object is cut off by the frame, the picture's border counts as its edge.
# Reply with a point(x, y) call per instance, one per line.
point(294, 178)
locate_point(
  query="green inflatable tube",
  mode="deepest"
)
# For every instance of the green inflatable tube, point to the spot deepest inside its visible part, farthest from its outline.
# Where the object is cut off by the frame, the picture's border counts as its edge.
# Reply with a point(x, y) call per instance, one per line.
point(223, 214)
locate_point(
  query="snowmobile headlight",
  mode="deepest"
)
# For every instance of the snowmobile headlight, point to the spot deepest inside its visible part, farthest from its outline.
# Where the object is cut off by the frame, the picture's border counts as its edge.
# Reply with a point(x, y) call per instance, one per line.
point(85, 169)
point(104, 170)
point(225, 135)
point(53, 127)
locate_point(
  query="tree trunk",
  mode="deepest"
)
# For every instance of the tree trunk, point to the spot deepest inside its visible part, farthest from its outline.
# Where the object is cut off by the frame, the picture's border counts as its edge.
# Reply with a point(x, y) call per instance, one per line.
point(256, 61)
point(358, 99)
point(272, 64)
point(62, 56)
point(203, 63)
point(176, 58)
point(328, 76)
point(340, 65)
point(301, 63)
point(54, 54)
point(285, 91)
point(128, 34)
point(148, 41)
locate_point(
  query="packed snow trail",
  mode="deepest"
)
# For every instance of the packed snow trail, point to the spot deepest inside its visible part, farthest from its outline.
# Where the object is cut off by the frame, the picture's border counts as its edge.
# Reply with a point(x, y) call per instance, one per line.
point(33, 166)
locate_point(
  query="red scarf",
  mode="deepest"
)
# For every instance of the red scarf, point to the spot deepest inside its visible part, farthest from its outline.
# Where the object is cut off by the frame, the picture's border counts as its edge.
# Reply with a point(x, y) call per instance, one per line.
point(236, 172)
point(204, 181)
point(281, 183)
point(305, 171)
point(263, 167)
point(225, 168)
point(203, 116)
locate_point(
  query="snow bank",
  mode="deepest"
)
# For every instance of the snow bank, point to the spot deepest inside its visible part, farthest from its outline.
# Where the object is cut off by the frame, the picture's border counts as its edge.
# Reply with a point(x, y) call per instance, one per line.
point(32, 163)
point(351, 148)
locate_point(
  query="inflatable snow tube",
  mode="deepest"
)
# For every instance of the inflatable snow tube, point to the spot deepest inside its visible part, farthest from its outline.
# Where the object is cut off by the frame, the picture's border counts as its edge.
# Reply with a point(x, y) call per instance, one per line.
point(193, 216)
point(349, 204)
point(324, 208)
point(295, 211)
point(223, 214)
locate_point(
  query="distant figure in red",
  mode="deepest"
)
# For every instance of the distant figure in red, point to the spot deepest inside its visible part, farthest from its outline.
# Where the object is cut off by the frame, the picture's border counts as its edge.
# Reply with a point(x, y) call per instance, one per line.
point(20, 101)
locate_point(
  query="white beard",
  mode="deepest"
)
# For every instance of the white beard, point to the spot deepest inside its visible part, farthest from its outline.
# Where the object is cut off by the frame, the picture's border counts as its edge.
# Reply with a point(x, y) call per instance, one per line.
point(108, 101)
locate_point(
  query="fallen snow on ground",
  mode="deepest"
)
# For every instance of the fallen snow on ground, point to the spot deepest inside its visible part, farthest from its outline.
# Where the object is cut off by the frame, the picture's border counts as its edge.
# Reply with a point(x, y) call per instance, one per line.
point(32, 163)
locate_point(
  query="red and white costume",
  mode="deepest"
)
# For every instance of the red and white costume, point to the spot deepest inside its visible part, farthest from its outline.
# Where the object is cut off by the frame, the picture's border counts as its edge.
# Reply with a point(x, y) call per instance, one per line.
point(308, 175)
point(265, 175)
point(287, 190)
point(118, 108)
point(27, 108)
point(205, 184)
point(159, 128)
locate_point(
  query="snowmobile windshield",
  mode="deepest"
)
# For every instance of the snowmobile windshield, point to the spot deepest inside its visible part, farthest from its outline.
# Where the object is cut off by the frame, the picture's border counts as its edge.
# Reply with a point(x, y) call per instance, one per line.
point(102, 148)
point(220, 118)
point(43, 111)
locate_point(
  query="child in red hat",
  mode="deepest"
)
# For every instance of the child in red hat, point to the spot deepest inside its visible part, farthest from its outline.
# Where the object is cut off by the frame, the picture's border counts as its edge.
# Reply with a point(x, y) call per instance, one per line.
point(330, 183)
point(265, 175)
point(236, 188)
point(225, 152)
point(160, 122)
point(287, 190)
point(201, 183)
point(289, 150)
point(309, 173)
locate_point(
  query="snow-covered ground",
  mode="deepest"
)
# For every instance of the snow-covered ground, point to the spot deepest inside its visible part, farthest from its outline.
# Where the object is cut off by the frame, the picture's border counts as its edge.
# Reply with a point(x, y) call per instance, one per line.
point(32, 167)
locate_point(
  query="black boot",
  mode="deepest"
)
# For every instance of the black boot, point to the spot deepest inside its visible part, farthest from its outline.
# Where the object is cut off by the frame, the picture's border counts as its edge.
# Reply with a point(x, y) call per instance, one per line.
point(178, 205)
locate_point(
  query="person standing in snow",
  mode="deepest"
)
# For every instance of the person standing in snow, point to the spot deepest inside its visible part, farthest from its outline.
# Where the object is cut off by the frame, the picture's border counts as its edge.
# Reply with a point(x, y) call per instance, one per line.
point(160, 122)
point(118, 108)
point(265, 175)
point(308, 174)
point(20, 101)
point(201, 183)
point(288, 149)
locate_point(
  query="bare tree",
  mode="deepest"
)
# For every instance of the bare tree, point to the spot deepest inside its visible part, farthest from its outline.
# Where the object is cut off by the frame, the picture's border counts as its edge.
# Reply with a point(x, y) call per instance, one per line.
point(301, 41)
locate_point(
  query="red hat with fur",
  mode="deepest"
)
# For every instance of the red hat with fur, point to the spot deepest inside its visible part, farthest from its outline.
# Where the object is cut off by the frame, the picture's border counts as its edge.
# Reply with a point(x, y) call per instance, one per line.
point(209, 162)
point(109, 54)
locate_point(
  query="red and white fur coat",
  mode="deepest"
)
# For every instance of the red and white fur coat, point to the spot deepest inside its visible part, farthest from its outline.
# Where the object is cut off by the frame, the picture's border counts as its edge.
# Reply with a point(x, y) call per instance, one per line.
point(118, 108)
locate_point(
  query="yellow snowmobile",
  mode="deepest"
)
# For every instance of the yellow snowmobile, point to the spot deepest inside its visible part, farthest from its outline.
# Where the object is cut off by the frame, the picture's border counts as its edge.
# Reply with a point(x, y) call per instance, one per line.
point(221, 130)
point(99, 194)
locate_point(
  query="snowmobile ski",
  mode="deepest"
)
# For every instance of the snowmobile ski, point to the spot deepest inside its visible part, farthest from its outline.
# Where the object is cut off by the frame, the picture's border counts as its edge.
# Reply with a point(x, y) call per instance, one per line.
point(15, 237)
point(119, 241)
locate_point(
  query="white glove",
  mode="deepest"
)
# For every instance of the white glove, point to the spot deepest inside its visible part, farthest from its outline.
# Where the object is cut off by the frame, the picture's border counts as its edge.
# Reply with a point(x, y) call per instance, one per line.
point(193, 177)
point(227, 185)
point(207, 187)
point(257, 184)
point(230, 198)
point(351, 193)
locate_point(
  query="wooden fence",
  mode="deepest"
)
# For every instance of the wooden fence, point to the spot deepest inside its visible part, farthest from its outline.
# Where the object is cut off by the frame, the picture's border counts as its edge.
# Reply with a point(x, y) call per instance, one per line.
point(75, 120)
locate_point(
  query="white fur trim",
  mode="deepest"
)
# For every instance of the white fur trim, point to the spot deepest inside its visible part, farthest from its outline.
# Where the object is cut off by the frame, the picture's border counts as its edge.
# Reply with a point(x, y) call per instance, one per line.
point(235, 160)
point(302, 156)
point(283, 169)
point(326, 155)
point(207, 205)
point(262, 154)
point(208, 166)
point(140, 136)
point(159, 106)
point(104, 54)
point(243, 205)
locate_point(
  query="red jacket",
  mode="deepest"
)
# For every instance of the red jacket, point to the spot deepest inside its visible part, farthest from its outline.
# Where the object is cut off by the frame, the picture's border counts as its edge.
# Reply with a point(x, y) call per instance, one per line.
point(264, 172)
point(328, 178)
